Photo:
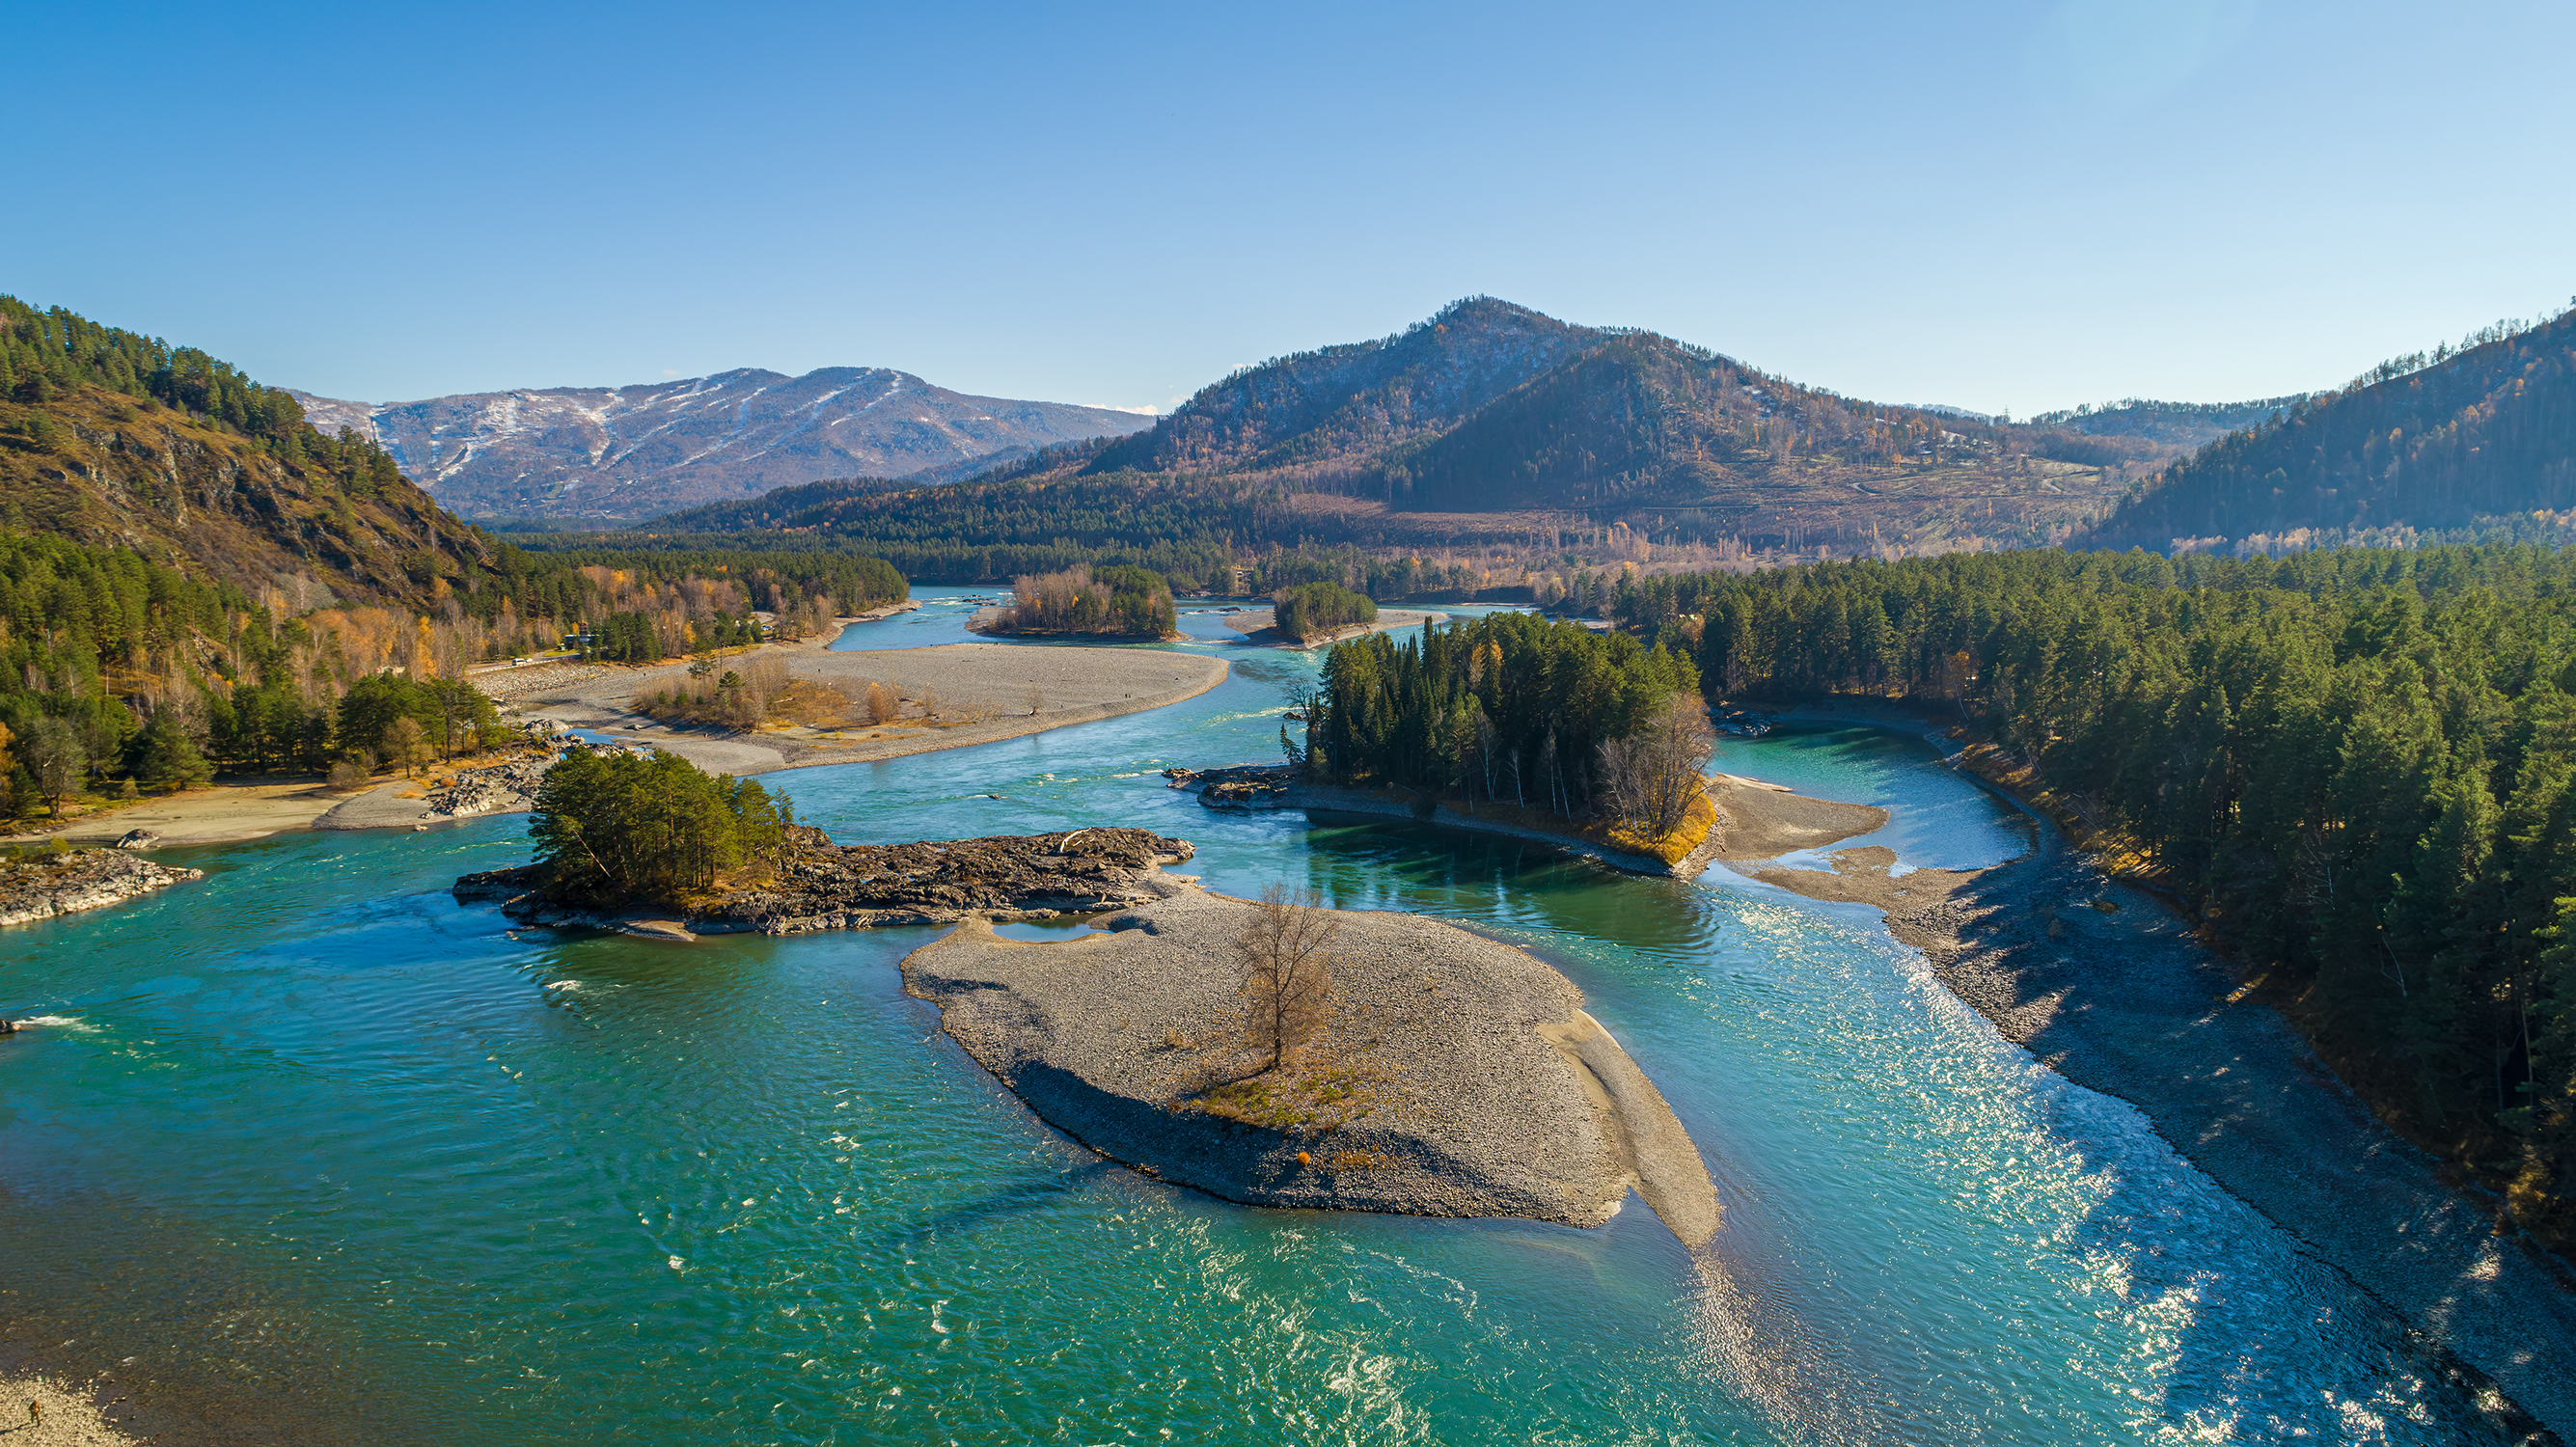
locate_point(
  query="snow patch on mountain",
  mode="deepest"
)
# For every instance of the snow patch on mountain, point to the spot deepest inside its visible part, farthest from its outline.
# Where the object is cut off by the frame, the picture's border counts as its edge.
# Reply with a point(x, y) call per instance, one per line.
point(640, 451)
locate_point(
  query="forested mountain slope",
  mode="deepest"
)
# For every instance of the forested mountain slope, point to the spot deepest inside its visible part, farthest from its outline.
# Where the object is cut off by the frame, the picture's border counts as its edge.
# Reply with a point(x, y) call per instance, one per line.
point(1351, 402)
point(1491, 420)
point(634, 452)
point(2426, 442)
point(114, 439)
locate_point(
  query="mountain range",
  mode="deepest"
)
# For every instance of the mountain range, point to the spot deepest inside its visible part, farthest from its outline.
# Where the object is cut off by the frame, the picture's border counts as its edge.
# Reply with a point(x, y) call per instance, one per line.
point(1490, 423)
point(1488, 430)
point(1491, 418)
point(624, 453)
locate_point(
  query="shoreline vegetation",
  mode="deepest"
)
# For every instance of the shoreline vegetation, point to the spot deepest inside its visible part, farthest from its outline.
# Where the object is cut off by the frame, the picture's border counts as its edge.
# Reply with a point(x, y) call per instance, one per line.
point(947, 697)
point(2110, 981)
point(1310, 612)
point(2354, 770)
point(1110, 603)
point(1589, 741)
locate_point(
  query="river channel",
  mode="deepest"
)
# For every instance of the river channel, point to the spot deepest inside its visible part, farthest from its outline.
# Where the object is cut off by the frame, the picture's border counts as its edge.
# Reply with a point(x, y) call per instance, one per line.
point(311, 1147)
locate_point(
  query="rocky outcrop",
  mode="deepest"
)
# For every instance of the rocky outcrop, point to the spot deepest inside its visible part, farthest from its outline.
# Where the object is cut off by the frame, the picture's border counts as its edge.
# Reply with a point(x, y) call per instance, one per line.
point(41, 886)
point(1240, 789)
point(829, 886)
point(509, 788)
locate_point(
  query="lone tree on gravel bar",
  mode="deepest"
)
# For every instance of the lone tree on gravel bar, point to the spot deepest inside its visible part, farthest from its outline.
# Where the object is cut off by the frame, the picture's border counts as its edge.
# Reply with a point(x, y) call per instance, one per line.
point(1285, 956)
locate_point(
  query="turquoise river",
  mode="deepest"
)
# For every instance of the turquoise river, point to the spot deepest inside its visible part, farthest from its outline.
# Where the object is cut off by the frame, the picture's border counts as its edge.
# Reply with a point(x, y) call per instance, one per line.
point(312, 1149)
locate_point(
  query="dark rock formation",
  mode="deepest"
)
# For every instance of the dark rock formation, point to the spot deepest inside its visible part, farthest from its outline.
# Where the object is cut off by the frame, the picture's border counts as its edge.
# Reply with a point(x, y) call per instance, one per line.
point(1239, 789)
point(832, 886)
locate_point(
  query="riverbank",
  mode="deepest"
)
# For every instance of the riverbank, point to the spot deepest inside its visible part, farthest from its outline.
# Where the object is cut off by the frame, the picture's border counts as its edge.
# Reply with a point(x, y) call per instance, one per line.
point(218, 814)
point(978, 693)
point(1745, 818)
point(1259, 627)
point(2106, 987)
point(73, 1417)
point(1454, 1076)
point(985, 687)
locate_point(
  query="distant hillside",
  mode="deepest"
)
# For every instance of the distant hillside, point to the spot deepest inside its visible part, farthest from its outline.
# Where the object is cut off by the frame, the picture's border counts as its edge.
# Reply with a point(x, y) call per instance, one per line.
point(1490, 425)
point(2433, 441)
point(1356, 400)
point(637, 452)
point(1492, 407)
point(2178, 424)
point(114, 439)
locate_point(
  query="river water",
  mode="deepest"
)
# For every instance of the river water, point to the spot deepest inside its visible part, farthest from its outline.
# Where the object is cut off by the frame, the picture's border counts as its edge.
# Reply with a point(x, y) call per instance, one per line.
point(316, 1148)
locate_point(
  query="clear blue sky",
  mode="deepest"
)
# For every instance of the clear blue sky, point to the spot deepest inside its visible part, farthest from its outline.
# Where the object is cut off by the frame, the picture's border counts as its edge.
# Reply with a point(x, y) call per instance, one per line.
point(1997, 205)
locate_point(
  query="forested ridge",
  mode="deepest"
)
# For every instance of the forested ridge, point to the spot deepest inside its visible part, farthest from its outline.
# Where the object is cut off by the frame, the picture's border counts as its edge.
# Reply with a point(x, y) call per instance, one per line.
point(193, 578)
point(113, 438)
point(2358, 765)
point(1184, 528)
point(132, 669)
point(2432, 441)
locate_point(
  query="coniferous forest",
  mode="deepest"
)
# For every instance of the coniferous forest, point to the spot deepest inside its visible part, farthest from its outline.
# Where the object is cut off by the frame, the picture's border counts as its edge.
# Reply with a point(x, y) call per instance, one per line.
point(1310, 609)
point(2358, 766)
point(1514, 708)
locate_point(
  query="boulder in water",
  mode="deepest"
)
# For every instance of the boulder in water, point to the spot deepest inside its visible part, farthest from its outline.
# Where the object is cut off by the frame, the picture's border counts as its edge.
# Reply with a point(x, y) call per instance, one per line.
point(139, 839)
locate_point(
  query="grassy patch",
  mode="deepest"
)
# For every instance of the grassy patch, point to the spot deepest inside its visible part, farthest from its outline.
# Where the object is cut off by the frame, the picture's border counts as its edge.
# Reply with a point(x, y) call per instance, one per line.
point(1296, 1100)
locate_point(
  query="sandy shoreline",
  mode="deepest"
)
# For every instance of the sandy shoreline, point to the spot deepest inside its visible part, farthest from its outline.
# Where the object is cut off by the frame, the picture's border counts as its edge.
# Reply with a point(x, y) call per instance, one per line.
point(2104, 986)
point(73, 1416)
point(1072, 685)
point(222, 814)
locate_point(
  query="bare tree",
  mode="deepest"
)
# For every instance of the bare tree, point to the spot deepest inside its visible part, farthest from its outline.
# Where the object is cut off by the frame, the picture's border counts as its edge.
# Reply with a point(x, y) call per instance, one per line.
point(1652, 775)
point(1284, 953)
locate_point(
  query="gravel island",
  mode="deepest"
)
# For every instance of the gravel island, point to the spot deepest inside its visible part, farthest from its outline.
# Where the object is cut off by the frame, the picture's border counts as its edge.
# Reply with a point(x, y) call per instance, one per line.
point(1456, 1076)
